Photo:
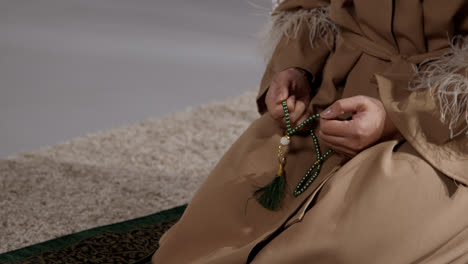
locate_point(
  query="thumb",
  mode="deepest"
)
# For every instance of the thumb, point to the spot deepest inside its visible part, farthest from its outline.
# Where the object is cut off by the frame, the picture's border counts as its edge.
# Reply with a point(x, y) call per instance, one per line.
point(346, 105)
point(283, 93)
point(291, 103)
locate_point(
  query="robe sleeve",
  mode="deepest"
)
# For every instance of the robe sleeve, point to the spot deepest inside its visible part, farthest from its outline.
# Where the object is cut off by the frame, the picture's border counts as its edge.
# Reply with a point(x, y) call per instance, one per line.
point(300, 34)
point(430, 109)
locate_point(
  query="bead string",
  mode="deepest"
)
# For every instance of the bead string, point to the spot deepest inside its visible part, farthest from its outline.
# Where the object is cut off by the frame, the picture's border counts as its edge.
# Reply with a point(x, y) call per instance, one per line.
point(317, 165)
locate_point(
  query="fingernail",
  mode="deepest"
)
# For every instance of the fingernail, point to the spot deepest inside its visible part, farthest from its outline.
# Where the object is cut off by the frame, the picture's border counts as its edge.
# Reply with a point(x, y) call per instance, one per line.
point(327, 113)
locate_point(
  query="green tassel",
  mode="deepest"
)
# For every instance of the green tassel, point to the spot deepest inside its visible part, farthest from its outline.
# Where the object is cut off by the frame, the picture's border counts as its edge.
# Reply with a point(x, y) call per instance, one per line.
point(273, 193)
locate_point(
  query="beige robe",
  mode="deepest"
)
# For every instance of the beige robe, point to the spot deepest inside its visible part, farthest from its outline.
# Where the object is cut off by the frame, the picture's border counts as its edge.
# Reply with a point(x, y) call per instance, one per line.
point(403, 200)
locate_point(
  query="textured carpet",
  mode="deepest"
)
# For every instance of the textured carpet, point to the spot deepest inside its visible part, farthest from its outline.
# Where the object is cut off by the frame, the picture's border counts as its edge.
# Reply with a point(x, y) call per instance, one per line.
point(115, 175)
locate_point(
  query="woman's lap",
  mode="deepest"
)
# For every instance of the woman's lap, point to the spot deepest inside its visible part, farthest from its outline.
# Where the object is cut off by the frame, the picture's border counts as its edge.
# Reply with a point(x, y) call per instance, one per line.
point(381, 205)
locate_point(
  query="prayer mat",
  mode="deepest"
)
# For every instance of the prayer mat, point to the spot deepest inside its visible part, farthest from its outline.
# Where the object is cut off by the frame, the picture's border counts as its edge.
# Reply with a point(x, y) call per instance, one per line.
point(132, 241)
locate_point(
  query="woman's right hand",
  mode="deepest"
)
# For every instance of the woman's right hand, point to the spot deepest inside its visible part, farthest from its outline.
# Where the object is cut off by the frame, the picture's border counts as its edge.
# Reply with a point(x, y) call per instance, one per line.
point(290, 85)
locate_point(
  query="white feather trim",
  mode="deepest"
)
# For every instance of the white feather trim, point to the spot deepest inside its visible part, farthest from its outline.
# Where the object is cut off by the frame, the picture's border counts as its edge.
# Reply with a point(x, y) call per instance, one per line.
point(276, 3)
point(446, 77)
point(288, 23)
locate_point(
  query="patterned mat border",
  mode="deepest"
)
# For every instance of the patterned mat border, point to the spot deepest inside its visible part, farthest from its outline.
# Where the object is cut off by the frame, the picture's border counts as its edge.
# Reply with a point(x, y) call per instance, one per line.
point(68, 240)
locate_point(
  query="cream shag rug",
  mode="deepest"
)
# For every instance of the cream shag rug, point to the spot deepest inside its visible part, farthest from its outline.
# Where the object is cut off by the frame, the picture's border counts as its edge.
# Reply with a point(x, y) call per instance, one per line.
point(115, 175)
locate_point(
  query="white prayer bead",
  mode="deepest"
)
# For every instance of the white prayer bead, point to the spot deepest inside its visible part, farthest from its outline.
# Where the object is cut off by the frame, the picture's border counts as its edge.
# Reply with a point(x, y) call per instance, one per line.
point(285, 141)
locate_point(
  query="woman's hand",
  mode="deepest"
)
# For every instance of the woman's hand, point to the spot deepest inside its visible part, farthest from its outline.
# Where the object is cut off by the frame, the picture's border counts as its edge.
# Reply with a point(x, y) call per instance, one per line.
point(290, 85)
point(369, 125)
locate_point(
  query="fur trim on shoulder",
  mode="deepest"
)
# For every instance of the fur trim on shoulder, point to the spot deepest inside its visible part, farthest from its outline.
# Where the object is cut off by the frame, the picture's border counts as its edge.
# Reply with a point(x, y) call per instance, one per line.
point(447, 78)
point(288, 23)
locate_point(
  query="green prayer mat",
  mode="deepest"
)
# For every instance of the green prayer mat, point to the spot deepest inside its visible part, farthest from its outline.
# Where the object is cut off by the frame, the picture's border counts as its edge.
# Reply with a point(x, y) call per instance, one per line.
point(132, 241)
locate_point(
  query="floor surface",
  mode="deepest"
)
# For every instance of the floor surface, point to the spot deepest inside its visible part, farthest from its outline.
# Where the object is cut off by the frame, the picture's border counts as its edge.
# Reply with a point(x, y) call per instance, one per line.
point(73, 67)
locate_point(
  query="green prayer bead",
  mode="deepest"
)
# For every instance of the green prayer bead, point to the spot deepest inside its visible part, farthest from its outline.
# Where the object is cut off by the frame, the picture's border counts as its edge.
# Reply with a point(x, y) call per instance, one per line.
point(307, 179)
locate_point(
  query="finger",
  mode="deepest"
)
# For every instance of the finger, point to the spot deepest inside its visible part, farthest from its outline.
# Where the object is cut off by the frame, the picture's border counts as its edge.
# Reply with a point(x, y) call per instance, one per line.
point(335, 140)
point(297, 113)
point(343, 128)
point(346, 105)
point(299, 120)
point(273, 100)
point(282, 93)
point(275, 94)
point(291, 103)
point(343, 150)
point(337, 144)
point(276, 112)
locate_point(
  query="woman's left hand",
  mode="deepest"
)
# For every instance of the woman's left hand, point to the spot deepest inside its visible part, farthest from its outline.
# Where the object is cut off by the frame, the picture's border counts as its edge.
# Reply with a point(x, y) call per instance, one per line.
point(369, 125)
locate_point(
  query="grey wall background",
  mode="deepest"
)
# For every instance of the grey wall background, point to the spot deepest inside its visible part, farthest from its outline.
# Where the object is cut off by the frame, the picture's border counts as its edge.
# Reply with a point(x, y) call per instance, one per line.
point(73, 67)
